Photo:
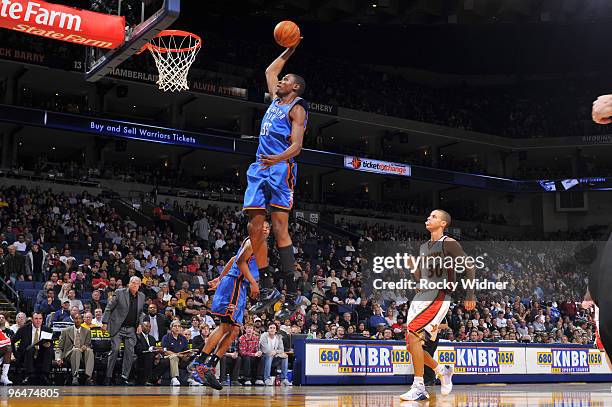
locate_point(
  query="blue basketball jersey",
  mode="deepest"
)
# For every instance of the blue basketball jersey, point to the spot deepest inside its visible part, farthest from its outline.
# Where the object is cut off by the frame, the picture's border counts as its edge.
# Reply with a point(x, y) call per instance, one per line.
point(274, 136)
point(235, 271)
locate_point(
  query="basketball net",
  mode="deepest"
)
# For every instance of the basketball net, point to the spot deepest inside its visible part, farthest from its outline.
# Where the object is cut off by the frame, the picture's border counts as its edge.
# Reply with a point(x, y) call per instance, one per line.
point(174, 51)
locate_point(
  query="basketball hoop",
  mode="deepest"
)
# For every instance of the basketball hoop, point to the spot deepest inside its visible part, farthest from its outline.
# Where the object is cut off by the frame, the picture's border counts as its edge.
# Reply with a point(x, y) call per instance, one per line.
point(174, 51)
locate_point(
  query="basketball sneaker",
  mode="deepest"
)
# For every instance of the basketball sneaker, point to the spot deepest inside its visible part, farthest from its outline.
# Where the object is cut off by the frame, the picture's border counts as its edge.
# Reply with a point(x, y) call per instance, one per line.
point(288, 309)
point(205, 375)
point(446, 380)
point(416, 393)
point(267, 298)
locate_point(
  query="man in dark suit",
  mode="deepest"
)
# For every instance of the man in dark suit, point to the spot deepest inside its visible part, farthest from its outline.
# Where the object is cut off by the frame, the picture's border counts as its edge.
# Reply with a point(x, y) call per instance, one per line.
point(159, 322)
point(34, 353)
point(146, 349)
point(75, 344)
point(121, 318)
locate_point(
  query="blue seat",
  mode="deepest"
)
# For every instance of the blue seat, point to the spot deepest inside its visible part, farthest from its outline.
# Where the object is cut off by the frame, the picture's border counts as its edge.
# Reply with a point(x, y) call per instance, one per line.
point(86, 296)
point(23, 285)
point(38, 284)
point(342, 308)
point(342, 291)
point(30, 293)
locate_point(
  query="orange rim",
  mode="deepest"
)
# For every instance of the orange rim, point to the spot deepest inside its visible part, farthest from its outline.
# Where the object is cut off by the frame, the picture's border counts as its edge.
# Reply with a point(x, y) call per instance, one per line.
point(178, 33)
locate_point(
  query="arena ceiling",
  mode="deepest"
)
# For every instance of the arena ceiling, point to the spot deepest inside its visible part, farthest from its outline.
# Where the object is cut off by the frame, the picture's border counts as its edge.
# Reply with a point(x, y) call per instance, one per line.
point(419, 11)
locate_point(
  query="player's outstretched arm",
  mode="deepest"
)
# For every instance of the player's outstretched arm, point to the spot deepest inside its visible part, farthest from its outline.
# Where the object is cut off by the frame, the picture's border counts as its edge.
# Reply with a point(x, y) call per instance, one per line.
point(602, 109)
point(275, 69)
point(297, 115)
point(212, 284)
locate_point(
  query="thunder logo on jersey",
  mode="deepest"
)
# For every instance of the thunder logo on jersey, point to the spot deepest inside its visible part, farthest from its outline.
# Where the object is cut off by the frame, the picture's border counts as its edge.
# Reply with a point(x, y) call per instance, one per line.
point(275, 132)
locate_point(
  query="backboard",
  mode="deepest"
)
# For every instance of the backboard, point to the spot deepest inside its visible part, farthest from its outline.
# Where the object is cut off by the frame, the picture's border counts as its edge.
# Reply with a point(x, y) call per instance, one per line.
point(144, 20)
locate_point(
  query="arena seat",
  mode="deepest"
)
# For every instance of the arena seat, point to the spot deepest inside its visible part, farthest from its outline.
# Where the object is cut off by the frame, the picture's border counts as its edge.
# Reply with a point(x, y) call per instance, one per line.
point(30, 293)
point(23, 285)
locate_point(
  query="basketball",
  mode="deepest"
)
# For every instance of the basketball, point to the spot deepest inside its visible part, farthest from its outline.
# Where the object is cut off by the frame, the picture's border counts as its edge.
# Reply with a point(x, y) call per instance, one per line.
point(287, 34)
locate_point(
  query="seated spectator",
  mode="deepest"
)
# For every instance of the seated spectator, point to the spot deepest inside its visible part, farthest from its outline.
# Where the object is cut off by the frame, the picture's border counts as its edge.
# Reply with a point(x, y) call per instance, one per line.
point(98, 312)
point(271, 346)
point(74, 301)
point(20, 321)
point(88, 321)
point(96, 300)
point(159, 322)
point(63, 315)
point(34, 353)
point(340, 333)
point(145, 351)
point(377, 318)
point(49, 304)
point(195, 326)
point(175, 352)
point(319, 291)
point(198, 341)
point(248, 349)
point(75, 345)
point(332, 279)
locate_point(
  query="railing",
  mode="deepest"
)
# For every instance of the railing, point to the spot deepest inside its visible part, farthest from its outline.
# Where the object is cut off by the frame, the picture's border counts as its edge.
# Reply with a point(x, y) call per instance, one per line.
point(11, 293)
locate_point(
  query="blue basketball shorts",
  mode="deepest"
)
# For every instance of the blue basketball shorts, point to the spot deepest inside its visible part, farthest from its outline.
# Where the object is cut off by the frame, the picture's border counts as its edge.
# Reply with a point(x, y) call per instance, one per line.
point(271, 186)
point(230, 298)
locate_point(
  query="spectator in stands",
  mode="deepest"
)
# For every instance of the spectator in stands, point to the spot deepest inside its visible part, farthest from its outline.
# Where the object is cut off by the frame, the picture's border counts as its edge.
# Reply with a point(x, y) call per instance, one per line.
point(121, 318)
point(271, 346)
point(364, 310)
point(88, 321)
point(146, 350)
point(175, 346)
point(20, 245)
point(20, 321)
point(159, 322)
point(377, 317)
point(36, 263)
point(248, 349)
point(34, 353)
point(75, 346)
point(62, 315)
point(6, 352)
point(14, 264)
point(74, 301)
point(96, 300)
point(49, 304)
point(98, 312)
point(201, 229)
point(332, 279)
point(231, 362)
point(319, 291)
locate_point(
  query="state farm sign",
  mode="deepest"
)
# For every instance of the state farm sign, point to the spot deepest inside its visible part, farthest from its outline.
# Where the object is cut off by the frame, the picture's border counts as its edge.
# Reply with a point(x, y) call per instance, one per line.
point(62, 23)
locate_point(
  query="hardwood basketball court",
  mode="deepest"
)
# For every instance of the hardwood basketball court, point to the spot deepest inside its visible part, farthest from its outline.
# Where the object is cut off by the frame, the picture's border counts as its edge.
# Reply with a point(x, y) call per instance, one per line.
point(582, 394)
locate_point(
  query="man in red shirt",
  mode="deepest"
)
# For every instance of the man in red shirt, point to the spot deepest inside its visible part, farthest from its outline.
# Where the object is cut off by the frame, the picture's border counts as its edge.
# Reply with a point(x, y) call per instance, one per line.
point(248, 349)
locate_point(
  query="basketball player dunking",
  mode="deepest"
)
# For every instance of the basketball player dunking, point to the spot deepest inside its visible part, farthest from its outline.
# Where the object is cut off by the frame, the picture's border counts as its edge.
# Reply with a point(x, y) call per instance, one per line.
point(271, 179)
point(429, 307)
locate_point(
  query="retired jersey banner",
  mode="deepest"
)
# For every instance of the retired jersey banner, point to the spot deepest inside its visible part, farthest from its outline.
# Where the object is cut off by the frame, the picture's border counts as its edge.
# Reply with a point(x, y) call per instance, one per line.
point(63, 23)
point(376, 166)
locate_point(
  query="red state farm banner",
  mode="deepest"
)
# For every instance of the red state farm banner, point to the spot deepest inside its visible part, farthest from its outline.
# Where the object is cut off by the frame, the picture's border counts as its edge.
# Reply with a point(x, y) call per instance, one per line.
point(63, 23)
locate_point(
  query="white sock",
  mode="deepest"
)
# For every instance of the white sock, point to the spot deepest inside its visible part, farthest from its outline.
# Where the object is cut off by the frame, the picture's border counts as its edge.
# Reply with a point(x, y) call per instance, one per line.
point(418, 381)
point(440, 369)
point(5, 369)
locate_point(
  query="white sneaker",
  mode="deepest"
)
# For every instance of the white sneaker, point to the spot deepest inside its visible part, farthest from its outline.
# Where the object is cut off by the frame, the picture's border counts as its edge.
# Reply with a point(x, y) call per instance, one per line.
point(416, 393)
point(5, 381)
point(446, 380)
point(193, 382)
point(247, 383)
point(175, 382)
point(259, 383)
point(286, 382)
point(270, 382)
